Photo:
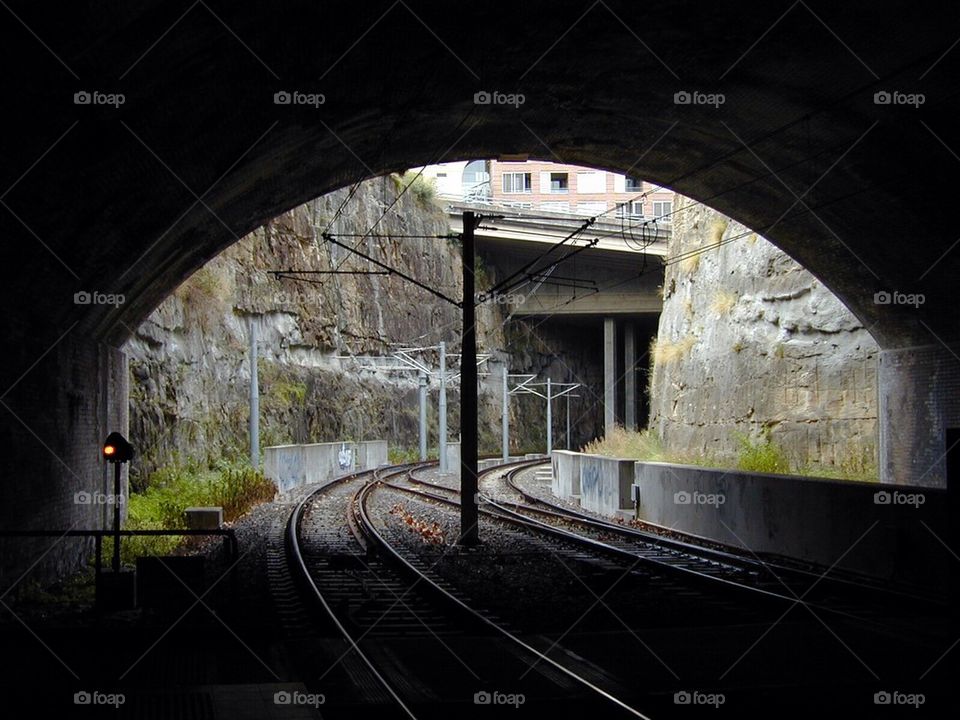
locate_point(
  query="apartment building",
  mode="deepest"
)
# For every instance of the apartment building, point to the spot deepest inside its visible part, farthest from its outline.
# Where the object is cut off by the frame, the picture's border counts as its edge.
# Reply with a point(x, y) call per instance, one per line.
point(574, 189)
point(552, 187)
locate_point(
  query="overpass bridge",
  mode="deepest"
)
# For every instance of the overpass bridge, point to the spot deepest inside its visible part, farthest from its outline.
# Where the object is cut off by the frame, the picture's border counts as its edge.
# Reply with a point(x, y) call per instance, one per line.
point(609, 292)
point(618, 275)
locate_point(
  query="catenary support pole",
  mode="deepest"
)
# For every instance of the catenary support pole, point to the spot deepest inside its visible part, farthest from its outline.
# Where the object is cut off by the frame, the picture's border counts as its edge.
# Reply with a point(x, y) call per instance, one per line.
point(469, 513)
point(505, 418)
point(423, 415)
point(254, 398)
point(549, 419)
point(442, 421)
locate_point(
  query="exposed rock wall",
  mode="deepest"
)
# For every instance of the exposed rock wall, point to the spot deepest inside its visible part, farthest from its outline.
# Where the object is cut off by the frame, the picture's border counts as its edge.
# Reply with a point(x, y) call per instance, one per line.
point(188, 360)
point(750, 341)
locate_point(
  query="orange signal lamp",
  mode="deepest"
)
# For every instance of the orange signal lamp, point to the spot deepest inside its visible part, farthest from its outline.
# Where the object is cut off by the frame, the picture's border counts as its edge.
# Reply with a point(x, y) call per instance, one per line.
point(116, 449)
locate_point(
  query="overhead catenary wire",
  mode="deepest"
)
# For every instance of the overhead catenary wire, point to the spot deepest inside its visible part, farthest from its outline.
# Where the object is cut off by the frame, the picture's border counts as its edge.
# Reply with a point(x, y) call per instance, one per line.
point(556, 246)
point(393, 271)
point(415, 178)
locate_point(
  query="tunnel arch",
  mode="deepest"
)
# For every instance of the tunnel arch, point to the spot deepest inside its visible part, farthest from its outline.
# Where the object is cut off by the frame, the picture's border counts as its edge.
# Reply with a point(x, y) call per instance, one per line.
point(199, 113)
point(131, 198)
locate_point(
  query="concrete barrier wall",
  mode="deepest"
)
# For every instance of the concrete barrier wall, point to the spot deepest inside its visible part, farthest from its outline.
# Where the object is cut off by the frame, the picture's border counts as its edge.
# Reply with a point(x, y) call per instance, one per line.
point(453, 457)
point(290, 466)
point(605, 484)
point(566, 474)
point(874, 529)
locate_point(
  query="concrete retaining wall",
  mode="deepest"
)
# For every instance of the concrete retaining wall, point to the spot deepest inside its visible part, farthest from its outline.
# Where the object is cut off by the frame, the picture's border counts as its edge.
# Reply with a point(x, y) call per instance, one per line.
point(566, 474)
point(492, 462)
point(878, 530)
point(290, 466)
point(453, 457)
point(605, 484)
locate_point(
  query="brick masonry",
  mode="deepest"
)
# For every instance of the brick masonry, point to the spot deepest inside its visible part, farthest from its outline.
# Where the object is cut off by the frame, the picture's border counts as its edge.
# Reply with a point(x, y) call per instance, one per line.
point(919, 391)
point(57, 417)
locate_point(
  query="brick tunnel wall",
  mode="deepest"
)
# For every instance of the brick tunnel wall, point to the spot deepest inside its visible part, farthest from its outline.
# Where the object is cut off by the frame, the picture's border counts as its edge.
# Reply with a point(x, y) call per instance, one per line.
point(919, 400)
point(80, 388)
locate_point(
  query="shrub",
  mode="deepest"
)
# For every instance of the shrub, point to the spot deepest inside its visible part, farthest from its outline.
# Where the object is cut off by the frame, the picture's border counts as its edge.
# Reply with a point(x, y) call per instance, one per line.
point(232, 485)
point(644, 445)
point(423, 189)
point(762, 455)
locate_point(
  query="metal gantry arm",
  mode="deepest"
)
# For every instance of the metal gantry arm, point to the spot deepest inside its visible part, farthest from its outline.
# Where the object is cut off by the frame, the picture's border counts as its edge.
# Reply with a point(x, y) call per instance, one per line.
point(549, 395)
point(525, 386)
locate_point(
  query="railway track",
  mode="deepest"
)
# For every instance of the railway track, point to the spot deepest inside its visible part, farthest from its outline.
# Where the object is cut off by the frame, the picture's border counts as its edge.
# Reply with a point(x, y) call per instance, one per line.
point(406, 637)
point(703, 565)
point(400, 639)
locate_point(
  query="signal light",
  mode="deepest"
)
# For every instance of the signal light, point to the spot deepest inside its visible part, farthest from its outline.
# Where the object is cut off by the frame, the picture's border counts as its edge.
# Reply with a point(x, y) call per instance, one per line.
point(116, 449)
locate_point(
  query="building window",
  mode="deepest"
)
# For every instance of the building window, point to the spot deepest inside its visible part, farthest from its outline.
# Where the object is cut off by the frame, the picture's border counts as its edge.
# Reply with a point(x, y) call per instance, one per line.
point(517, 183)
point(662, 209)
point(441, 174)
point(476, 180)
point(559, 182)
point(633, 185)
point(630, 208)
point(555, 206)
point(592, 182)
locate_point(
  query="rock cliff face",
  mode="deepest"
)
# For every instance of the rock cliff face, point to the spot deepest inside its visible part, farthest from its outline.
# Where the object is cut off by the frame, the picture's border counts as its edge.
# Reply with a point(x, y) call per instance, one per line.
point(750, 341)
point(189, 363)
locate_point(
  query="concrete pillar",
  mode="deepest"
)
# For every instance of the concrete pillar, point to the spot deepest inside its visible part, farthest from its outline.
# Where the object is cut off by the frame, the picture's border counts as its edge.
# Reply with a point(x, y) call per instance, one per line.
point(919, 398)
point(423, 415)
point(443, 407)
point(549, 417)
point(629, 377)
point(254, 399)
point(505, 418)
point(609, 374)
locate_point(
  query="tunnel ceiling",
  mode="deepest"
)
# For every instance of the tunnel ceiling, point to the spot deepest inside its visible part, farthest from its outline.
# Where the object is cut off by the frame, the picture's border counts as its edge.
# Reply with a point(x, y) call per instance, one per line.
point(131, 199)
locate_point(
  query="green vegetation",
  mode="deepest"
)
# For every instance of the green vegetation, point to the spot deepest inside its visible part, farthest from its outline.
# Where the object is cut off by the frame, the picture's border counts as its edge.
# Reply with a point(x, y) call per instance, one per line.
point(401, 456)
point(232, 485)
point(423, 189)
point(763, 455)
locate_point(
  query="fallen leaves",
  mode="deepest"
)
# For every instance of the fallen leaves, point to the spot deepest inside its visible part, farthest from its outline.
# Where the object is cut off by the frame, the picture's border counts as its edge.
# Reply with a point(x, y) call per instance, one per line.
point(430, 532)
